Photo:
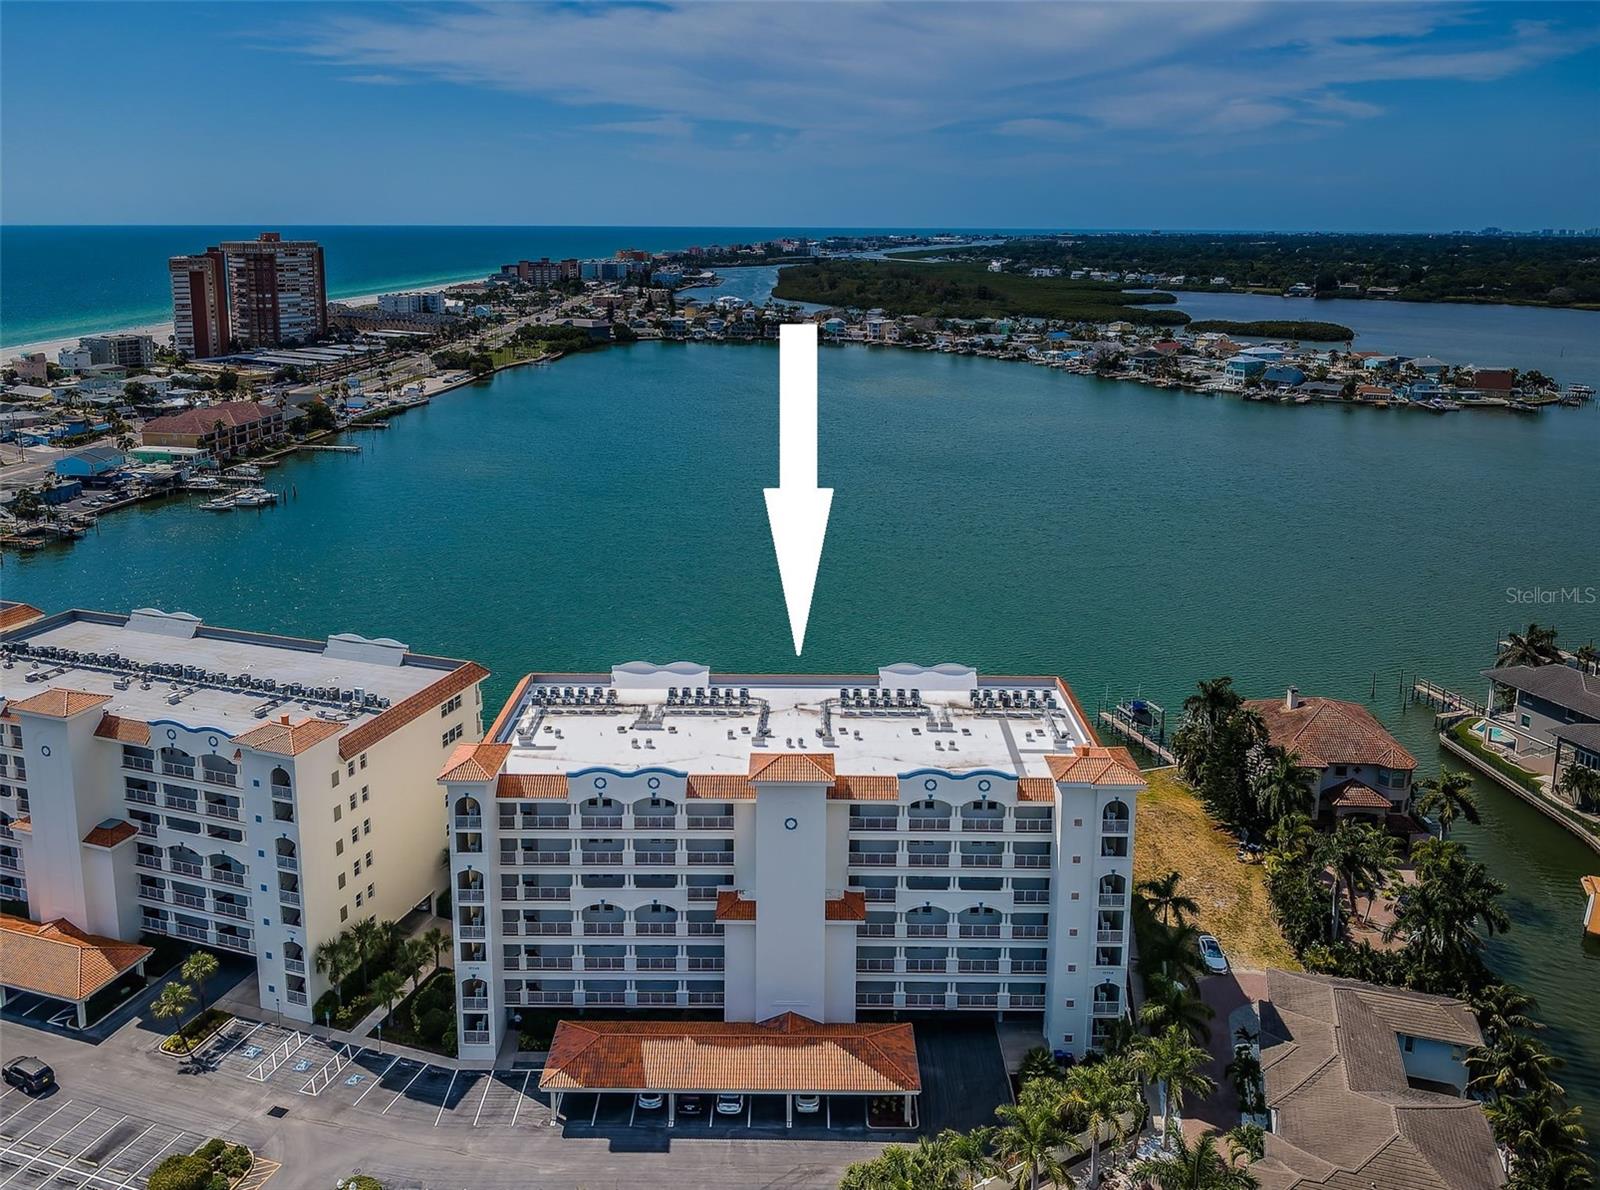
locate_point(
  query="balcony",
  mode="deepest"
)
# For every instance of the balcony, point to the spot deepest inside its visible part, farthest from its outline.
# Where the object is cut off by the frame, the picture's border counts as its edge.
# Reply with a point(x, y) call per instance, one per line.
point(543, 964)
point(1022, 860)
point(875, 929)
point(288, 863)
point(606, 822)
point(186, 771)
point(187, 805)
point(288, 897)
point(705, 999)
point(972, 859)
point(602, 928)
point(294, 966)
point(219, 777)
point(874, 859)
point(230, 909)
point(1115, 826)
point(601, 858)
point(1106, 1006)
point(469, 896)
point(928, 859)
point(188, 900)
point(978, 965)
point(978, 1000)
point(660, 928)
point(979, 931)
point(656, 998)
point(142, 797)
point(222, 810)
point(1030, 931)
point(482, 1037)
point(874, 824)
point(546, 892)
point(140, 764)
point(941, 930)
point(546, 998)
point(1032, 825)
point(468, 822)
point(148, 829)
point(147, 861)
point(706, 928)
point(713, 858)
point(596, 997)
point(604, 962)
point(184, 868)
point(1031, 896)
point(655, 822)
point(874, 999)
point(983, 824)
point(655, 964)
point(1026, 1001)
point(475, 1003)
point(1027, 966)
point(705, 964)
point(472, 933)
point(1112, 900)
point(710, 822)
point(655, 859)
point(879, 894)
point(1108, 937)
point(295, 997)
point(927, 824)
point(151, 892)
point(547, 927)
point(196, 933)
point(226, 876)
point(283, 793)
point(924, 999)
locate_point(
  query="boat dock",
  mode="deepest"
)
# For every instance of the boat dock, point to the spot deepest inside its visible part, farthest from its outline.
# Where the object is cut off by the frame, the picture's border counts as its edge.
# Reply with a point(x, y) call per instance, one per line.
point(1436, 696)
point(1140, 722)
point(335, 448)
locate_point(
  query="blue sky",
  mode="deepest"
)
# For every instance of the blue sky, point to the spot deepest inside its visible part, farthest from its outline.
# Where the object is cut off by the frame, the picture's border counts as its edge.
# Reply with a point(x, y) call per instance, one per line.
point(1283, 115)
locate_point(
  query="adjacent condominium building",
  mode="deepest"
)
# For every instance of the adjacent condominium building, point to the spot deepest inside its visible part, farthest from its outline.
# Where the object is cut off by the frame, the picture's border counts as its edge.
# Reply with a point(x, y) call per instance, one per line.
point(922, 838)
point(249, 792)
point(277, 290)
point(200, 317)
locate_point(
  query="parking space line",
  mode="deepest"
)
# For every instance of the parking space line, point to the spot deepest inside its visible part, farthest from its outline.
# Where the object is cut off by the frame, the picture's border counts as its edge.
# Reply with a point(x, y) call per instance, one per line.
point(241, 1039)
point(403, 1090)
point(378, 1080)
point(106, 1162)
point(13, 1145)
point(45, 1148)
point(161, 1153)
point(54, 1169)
point(74, 1159)
point(633, 1111)
point(522, 1097)
point(487, 1083)
point(446, 1100)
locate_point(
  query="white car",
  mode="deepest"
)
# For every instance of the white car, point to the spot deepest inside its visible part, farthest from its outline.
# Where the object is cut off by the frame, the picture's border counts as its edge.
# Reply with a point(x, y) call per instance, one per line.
point(650, 1100)
point(809, 1104)
point(1211, 951)
point(730, 1105)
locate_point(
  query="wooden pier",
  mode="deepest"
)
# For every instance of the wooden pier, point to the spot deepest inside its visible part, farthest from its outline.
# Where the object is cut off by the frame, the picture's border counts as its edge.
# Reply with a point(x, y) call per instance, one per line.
point(1440, 699)
point(1134, 733)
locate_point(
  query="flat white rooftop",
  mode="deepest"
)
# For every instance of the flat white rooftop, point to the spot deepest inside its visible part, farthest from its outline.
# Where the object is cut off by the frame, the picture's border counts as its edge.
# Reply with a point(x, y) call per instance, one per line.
point(169, 666)
point(684, 718)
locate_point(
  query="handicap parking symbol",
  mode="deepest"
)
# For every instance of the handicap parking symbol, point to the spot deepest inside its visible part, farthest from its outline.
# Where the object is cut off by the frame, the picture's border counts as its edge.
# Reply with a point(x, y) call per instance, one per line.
point(355, 1080)
point(252, 1051)
point(303, 1065)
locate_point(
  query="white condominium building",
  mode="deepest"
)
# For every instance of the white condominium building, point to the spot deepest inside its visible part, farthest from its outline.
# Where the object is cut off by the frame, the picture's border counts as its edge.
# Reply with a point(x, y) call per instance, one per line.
point(922, 839)
point(249, 792)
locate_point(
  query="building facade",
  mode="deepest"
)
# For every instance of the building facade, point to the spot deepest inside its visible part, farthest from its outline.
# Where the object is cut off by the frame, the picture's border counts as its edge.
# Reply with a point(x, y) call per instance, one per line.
point(251, 793)
point(1357, 767)
point(277, 290)
point(920, 838)
point(200, 317)
point(223, 431)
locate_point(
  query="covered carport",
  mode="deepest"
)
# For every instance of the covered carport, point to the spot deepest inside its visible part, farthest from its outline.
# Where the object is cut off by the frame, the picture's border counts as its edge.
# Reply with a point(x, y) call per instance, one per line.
point(788, 1055)
point(58, 961)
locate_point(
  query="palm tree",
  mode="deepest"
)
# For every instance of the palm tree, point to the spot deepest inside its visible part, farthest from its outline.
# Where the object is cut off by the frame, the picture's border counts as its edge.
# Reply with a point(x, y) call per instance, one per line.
point(1171, 1060)
point(1447, 797)
point(1165, 901)
point(366, 936)
point(413, 957)
point(437, 940)
point(1546, 1139)
point(1359, 856)
point(969, 1157)
point(174, 1001)
point(1292, 836)
point(1030, 1136)
point(1580, 784)
point(1511, 1063)
point(335, 957)
point(1169, 1002)
point(1283, 787)
point(197, 971)
point(1103, 1096)
point(1453, 896)
point(1038, 1062)
point(1588, 657)
point(1246, 1143)
point(1536, 646)
point(387, 988)
point(1174, 953)
point(1197, 1167)
point(1504, 1008)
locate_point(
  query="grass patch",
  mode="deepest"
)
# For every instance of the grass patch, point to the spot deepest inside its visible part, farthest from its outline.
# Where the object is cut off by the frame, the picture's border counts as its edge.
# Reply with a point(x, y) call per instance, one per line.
point(195, 1032)
point(967, 291)
point(1174, 833)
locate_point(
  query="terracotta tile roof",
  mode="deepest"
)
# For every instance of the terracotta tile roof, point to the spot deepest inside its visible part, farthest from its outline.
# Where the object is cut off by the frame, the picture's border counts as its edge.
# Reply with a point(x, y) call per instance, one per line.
point(870, 788)
point(719, 787)
point(58, 960)
point(475, 762)
point(792, 766)
point(110, 833)
point(129, 731)
point(1346, 1112)
point(1328, 731)
point(1096, 765)
point(59, 703)
point(1354, 795)
point(407, 709)
point(784, 1053)
point(25, 823)
point(504, 716)
point(202, 419)
point(851, 905)
point(732, 907)
point(1036, 789)
point(289, 739)
point(15, 615)
point(544, 786)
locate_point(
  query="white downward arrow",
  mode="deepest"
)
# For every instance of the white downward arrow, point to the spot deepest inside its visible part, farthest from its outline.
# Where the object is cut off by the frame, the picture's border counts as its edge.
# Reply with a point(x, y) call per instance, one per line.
point(797, 507)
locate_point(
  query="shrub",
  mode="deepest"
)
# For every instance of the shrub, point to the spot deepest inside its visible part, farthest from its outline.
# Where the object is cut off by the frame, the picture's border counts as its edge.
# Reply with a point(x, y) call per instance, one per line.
point(327, 1005)
point(435, 1023)
point(186, 1171)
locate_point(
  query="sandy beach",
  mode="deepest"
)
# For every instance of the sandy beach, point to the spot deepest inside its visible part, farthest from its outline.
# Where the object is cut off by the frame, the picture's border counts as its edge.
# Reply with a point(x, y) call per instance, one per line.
point(162, 331)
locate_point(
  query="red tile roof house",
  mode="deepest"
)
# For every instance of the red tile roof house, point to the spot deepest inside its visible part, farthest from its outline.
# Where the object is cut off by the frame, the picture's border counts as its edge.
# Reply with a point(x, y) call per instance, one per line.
point(232, 428)
point(1360, 768)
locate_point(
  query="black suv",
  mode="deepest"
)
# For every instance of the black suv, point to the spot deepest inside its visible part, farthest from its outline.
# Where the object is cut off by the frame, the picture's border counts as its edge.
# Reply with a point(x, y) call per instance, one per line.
point(29, 1075)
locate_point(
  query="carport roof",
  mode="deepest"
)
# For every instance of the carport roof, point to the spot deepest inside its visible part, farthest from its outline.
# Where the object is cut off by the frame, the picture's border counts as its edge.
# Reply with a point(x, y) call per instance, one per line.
point(58, 960)
point(783, 1054)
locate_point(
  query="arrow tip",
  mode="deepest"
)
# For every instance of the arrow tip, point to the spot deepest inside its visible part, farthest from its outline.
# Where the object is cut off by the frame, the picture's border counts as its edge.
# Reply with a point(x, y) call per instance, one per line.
point(799, 519)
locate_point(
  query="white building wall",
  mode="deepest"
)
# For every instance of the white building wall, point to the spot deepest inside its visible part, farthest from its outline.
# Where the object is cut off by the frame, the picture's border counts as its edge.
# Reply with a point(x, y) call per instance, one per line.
point(790, 891)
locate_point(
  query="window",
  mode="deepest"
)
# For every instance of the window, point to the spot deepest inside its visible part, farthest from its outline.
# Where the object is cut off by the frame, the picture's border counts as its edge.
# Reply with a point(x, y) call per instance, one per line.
point(451, 736)
point(371, 891)
point(366, 826)
point(364, 794)
point(336, 778)
point(1340, 770)
point(344, 913)
point(338, 846)
point(350, 769)
point(363, 760)
point(338, 813)
point(453, 705)
point(358, 900)
point(352, 801)
point(369, 859)
point(341, 879)
point(355, 834)
point(356, 871)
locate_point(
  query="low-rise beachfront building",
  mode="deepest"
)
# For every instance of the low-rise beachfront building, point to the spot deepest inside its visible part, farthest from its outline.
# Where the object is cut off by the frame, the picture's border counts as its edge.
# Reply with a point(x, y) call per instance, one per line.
point(222, 431)
point(247, 792)
point(830, 846)
point(1359, 767)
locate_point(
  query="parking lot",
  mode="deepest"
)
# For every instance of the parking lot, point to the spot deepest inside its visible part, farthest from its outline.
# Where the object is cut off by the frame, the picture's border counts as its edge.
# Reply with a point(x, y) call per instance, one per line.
point(62, 1142)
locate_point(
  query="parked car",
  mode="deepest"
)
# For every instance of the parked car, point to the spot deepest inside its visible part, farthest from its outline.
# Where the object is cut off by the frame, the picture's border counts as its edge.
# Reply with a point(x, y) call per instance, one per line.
point(808, 1103)
point(729, 1104)
point(1211, 951)
point(29, 1075)
point(691, 1105)
point(649, 1100)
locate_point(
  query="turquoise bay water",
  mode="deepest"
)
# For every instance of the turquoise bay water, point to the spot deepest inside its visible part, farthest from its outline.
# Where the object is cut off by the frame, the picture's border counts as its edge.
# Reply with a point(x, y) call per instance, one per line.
point(1021, 520)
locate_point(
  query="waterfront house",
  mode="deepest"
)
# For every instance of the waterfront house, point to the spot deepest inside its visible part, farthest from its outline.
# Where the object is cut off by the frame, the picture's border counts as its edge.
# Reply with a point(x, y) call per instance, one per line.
point(1365, 1086)
point(224, 430)
point(1494, 382)
point(91, 463)
point(1428, 365)
point(1242, 367)
point(1359, 767)
point(1544, 716)
point(1282, 376)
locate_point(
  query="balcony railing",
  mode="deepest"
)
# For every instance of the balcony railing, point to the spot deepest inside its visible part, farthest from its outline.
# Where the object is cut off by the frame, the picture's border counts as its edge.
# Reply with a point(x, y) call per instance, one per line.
point(879, 894)
point(705, 964)
point(656, 927)
point(540, 822)
point(972, 965)
point(222, 810)
point(184, 868)
point(603, 928)
point(710, 822)
point(219, 777)
point(284, 793)
point(1114, 900)
point(924, 1000)
point(142, 797)
point(198, 933)
point(188, 805)
point(294, 966)
point(977, 1000)
point(469, 822)
point(472, 933)
point(971, 859)
point(1030, 931)
point(1114, 826)
point(475, 1003)
point(178, 770)
point(655, 964)
point(469, 896)
point(875, 929)
point(229, 909)
point(921, 966)
point(655, 822)
point(1032, 824)
point(481, 1036)
point(717, 858)
point(1108, 937)
point(698, 893)
point(928, 859)
point(226, 876)
point(706, 928)
point(874, 999)
point(151, 893)
point(1021, 860)
point(139, 764)
point(547, 927)
point(288, 863)
point(288, 897)
point(705, 999)
point(1026, 1001)
point(598, 997)
point(940, 930)
point(1030, 896)
point(1027, 966)
point(606, 822)
point(874, 859)
point(927, 824)
point(658, 998)
point(188, 900)
point(546, 998)
point(545, 892)
point(563, 963)
point(983, 824)
point(604, 962)
point(874, 824)
point(1101, 1006)
point(979, 931)
point(147, 861)
point(601, 858)
point(295, 997)
point(655, 859)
